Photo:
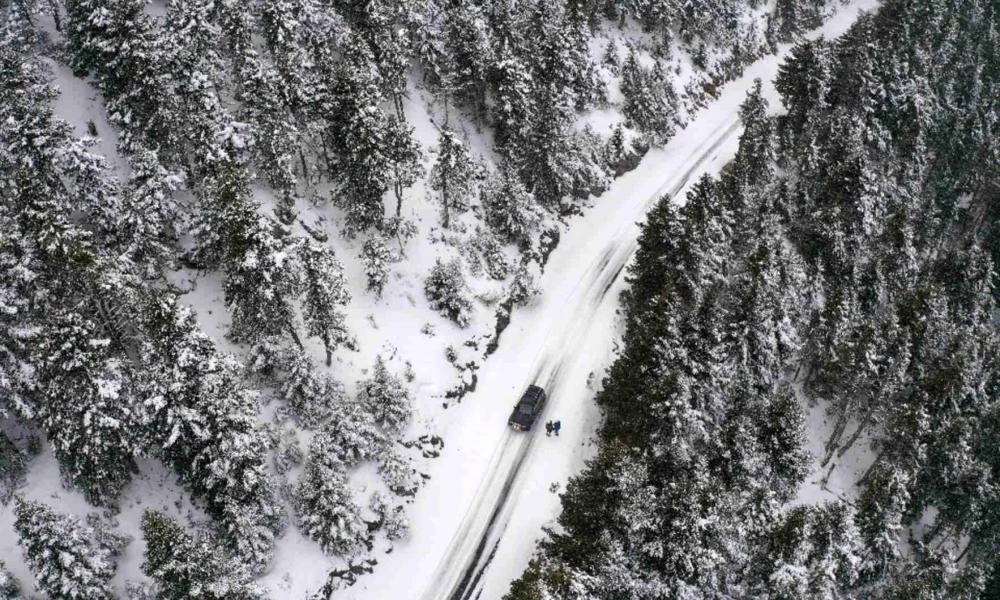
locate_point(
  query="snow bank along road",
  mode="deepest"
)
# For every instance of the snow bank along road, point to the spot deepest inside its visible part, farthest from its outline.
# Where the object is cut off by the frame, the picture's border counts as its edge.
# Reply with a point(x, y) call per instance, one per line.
point(477, 521)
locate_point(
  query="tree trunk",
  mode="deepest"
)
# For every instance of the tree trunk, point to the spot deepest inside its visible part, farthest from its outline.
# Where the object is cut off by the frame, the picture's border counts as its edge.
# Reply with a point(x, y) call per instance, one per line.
point(326, 158)
point(305, 170)
point(444, 198)
point(398, 189)
point(295, 336)
point(329, 351)
point(826, 478)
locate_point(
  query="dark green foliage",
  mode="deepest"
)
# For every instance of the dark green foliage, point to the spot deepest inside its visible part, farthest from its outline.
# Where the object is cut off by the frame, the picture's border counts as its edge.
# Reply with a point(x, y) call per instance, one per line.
point(88, 413)
point(202, 422)
point(66, 561)
point(185, 567)
point(650, 102)
point(13, 466)
point(447, 292)
point(10, 589)
point(325, 293)
point(384, 397)
point(509, 209)
point(453, 174)
point(376, 257)
point(370, 145)
point(324, 507)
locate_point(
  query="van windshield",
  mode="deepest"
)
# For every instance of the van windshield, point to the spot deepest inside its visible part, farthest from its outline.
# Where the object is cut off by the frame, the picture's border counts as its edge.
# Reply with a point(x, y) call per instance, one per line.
point(524, 408)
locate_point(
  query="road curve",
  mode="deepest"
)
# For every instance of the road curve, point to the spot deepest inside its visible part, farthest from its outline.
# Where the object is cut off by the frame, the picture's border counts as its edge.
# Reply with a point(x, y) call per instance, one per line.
point(460, 572)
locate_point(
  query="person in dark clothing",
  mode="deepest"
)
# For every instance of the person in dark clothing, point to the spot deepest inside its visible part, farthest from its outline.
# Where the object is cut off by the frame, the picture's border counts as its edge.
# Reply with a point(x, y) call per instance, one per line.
point(556, 426)
point(548, 428)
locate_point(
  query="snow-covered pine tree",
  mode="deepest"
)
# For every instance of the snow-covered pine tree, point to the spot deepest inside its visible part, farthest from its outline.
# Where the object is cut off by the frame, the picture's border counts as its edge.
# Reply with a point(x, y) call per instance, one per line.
point(370, 147)
point(509, 209)
point(202, 422)
point(545, 157)
point(120, 45)
point(325, 293)
point(87, 408)
point(324, 504)
point(512, 111)
point(397, 472)
point(447, 292)
point(650, 101)
point(376, 256)
point(812, 551)
point(62, 555)
point(453, 174)
point(13, 466)
point(10, 589)
point(151, 220)
point(184, 567)
point(385, 398)
point(394, 522)
point(17, 253)
point(311, 395)
point(351, 434)
point(522, 286)
point(262, 276)
point(467, 54)
point(485, 251)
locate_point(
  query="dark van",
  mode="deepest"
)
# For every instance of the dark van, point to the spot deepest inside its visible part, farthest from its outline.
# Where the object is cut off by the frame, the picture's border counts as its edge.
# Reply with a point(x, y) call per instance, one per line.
point(527, 409)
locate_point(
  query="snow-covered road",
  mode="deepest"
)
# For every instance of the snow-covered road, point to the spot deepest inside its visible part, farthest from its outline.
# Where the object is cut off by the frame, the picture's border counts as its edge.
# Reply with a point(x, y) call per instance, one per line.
point(478, 520)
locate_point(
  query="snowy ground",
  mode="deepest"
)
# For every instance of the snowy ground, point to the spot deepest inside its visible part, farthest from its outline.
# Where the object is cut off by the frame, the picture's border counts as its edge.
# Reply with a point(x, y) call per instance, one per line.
point(478, 518)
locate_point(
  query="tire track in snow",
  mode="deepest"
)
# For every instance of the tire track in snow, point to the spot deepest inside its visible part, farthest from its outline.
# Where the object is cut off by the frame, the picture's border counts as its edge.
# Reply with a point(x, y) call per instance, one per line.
point(459, 575)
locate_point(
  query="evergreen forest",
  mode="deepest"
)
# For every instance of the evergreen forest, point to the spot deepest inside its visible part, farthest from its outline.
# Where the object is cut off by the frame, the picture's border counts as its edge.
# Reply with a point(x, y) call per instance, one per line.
point(844, 262)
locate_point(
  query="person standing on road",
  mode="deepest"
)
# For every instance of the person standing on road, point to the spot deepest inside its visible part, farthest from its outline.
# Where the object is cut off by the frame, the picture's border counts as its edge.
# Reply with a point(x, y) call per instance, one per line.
point(548, 428)
point(556, 426)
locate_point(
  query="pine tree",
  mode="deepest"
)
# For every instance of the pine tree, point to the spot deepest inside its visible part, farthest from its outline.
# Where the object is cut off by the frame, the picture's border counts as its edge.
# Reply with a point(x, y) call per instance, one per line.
point(10, 589)
point(803, 83)
point(376, 257)
point(754, 157)
point(324, 507)
point(262, 276)
point(650, 102)
point(119, 44)
point(325, 292)
point(88, 408)
point(508, 207)
point(447, 292)
point(13, 466)
point(522, 286)
point(202, 423)
point(513, 110)
point(370, 147)
point(311, 395)
point(186, 567)
point(397, 472)
point(351, 434)
point(453, 174)
point(62, 555)
point(151, 219)
point(384, 396)
point(394, 521)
